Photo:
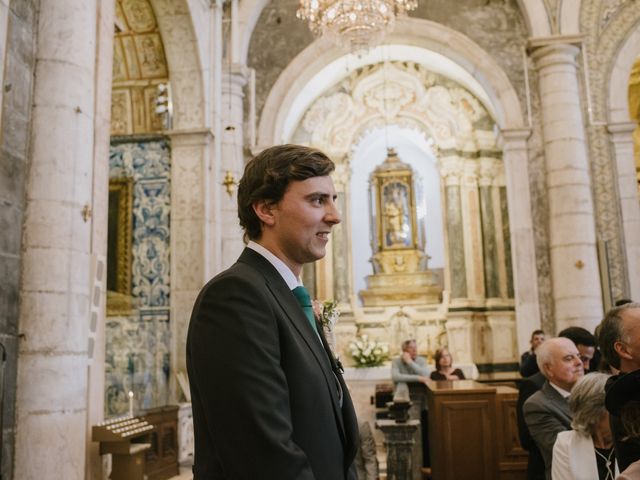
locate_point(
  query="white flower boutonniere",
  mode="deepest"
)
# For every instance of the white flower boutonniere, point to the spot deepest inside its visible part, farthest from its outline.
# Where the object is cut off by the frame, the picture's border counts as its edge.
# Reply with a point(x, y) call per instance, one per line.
point(327, 313)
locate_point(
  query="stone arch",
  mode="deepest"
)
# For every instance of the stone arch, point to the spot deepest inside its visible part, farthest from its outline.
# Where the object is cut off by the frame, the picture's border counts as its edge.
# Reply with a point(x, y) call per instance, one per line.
point(405, 94)
point(570, 17)
point(627, 55)
point(423, 34)
point(248, 15)
point(185, 71)
point(622, 127)
point(536, 17)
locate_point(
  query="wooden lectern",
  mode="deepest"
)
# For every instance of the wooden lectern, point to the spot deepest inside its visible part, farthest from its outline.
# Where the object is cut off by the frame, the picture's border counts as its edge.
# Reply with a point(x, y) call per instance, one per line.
point(127, 439)
point(473, 432)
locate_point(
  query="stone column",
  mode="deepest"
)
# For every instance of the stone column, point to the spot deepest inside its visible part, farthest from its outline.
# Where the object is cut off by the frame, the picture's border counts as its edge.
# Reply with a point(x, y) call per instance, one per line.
point(574, 261)
point(523, 254)
point(100, 206)
point(192, 234)
point(451, 168)
point(52, 390)
point(232, 159)
point(399, 440)
point(622, 140)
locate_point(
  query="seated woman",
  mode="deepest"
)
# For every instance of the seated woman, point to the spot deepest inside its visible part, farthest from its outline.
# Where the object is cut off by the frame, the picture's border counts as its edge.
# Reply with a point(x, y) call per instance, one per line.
point(586, 452)
point(444, 367)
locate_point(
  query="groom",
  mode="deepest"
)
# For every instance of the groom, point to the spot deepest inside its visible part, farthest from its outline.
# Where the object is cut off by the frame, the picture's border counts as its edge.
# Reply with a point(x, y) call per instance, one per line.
point(268, 399)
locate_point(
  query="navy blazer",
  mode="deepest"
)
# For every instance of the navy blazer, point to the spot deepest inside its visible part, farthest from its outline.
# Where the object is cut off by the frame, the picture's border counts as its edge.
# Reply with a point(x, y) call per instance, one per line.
point(263, 387)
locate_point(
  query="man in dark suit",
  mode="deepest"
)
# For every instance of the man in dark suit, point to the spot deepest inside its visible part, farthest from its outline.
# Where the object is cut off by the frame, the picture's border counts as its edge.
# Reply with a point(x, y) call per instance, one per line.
point(268, 397)
point(619, 339)
point(547, 412)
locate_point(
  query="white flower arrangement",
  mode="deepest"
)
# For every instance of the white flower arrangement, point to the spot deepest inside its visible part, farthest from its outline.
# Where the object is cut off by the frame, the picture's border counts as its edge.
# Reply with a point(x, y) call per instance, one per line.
point(368, 353)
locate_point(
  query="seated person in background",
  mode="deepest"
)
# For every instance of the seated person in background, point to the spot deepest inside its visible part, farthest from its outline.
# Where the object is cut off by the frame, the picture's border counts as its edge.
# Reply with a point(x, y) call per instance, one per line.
point(409, 367)
point(623, 401)
point(586, 452)
point(546, 412)
point(584, 342)
point(444, 366)
point(366, 460)
point(528, 364)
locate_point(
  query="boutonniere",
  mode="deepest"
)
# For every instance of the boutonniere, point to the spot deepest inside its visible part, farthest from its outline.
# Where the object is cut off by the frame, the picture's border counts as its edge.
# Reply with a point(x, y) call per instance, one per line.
point(326, 313)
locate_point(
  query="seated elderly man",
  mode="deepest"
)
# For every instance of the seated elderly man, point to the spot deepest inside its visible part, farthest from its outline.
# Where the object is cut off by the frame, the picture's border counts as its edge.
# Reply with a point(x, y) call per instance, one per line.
point(409, 367)
point(546, 412)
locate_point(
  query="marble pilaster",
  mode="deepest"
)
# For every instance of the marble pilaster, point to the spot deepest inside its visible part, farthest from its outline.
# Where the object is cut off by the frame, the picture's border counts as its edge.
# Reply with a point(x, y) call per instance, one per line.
point(194, 242)
point(52, 385)
point(97, 322)
point(488, 214)
point(232, 159)
point(456, 280)
point(574, 261)
point(523, 255)
point(621, 135)
point(342, 268)
point(473, 246)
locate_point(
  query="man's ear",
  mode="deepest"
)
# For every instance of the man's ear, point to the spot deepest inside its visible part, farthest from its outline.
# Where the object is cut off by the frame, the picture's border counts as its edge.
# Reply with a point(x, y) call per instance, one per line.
point(621, 350)
point(264, 211)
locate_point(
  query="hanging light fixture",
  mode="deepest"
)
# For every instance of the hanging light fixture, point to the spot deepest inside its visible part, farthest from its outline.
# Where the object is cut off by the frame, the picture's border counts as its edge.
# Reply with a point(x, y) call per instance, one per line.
point(357, 24)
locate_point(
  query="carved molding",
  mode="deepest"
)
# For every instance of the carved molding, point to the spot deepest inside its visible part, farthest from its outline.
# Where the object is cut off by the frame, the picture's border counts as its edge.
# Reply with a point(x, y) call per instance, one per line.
point(606, 25)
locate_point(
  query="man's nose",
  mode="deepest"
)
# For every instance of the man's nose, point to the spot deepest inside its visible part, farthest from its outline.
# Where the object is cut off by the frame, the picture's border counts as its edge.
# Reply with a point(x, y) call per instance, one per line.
point(332, 214)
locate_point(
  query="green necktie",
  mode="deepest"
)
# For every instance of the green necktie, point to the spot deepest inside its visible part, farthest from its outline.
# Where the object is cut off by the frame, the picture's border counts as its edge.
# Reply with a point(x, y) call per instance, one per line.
point(303, 298)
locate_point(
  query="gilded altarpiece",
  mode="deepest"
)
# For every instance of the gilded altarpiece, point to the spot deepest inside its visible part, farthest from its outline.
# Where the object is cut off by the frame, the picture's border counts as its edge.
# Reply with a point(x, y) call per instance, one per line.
point(399, 263)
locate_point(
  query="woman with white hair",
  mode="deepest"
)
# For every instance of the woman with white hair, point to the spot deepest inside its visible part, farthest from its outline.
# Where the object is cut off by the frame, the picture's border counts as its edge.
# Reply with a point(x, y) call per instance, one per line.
point(586, 452)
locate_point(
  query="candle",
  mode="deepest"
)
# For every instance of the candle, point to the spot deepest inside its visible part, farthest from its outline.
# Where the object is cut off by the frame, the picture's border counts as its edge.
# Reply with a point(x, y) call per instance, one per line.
point(130, 403)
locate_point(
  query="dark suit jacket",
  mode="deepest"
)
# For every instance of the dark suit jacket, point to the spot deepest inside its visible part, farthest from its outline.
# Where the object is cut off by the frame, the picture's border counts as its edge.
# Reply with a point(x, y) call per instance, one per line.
point(263, 390)
point(546, 414)
point(528, 364)
point(527, 387)
point(627, 451)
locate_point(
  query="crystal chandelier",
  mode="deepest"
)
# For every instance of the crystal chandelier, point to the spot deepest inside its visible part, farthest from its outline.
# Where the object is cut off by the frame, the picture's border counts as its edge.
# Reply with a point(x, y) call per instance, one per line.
point(358, 24)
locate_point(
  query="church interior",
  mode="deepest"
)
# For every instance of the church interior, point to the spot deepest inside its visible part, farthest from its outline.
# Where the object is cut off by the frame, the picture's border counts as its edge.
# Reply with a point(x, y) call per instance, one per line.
point(487, 167)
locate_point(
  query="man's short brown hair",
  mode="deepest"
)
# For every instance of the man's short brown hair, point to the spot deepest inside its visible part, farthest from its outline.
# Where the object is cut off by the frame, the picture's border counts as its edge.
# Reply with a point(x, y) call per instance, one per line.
point(267, 176)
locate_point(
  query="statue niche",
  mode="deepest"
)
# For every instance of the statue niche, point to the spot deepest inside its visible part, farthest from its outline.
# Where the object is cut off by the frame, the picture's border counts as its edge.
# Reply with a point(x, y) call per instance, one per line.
point(400, 273)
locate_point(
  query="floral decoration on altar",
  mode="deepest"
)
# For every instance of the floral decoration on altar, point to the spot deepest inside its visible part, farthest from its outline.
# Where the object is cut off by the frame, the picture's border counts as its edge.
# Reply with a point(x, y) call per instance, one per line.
point(368, 353)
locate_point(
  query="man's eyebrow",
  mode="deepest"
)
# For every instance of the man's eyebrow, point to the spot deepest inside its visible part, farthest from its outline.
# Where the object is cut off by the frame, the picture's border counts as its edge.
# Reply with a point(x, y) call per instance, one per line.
point(321, 195)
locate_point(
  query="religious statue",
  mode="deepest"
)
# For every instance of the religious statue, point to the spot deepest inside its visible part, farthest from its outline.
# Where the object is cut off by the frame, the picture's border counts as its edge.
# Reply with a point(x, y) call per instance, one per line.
point(400, 274)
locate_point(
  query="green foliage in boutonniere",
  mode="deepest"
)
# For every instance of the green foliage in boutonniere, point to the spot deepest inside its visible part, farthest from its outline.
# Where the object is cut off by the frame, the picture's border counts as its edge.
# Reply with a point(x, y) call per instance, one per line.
point(327, 313)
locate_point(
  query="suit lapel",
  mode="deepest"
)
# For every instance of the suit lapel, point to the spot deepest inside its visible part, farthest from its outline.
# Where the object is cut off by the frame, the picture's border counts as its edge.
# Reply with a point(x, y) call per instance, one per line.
point(287, 301)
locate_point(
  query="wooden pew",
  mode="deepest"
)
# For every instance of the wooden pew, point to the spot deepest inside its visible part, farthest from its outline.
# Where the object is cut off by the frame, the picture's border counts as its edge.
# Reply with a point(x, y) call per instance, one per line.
point(473, 432)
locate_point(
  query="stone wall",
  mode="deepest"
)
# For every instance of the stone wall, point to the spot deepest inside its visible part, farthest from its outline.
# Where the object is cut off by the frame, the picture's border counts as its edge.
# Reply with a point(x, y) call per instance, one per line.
point(18, 26)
